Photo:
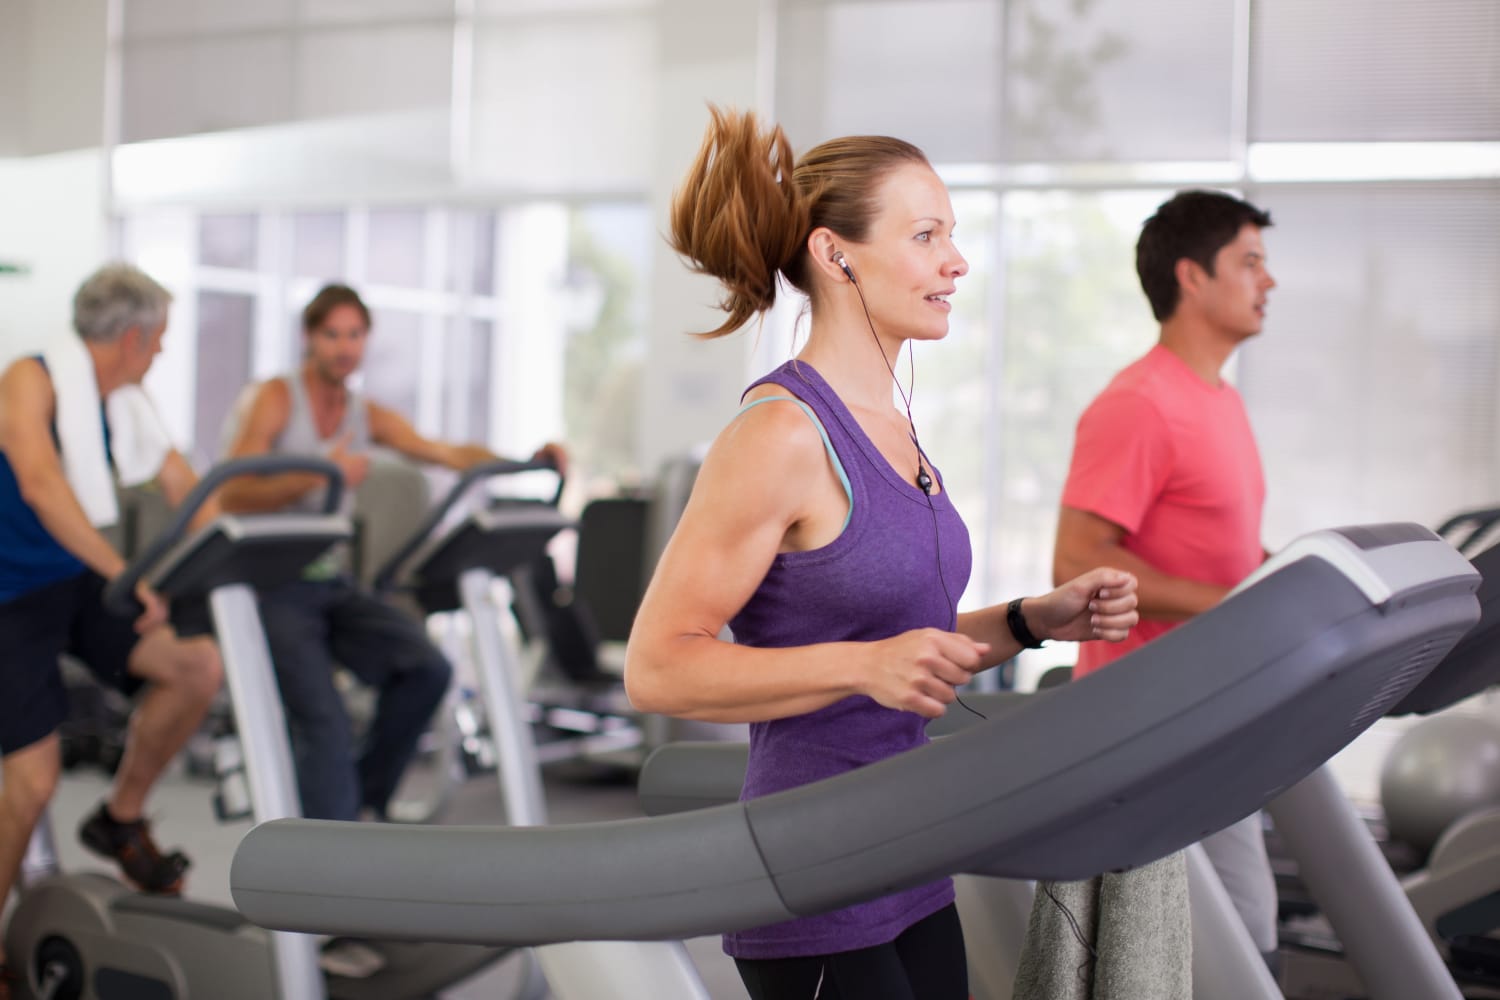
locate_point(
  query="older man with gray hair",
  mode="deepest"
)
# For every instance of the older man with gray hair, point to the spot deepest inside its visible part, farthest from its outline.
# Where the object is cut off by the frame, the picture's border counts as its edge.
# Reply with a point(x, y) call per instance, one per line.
point(57, 478)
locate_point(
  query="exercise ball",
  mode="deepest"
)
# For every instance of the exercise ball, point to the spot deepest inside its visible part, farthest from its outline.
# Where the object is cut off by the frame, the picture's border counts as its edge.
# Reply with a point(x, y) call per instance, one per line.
point(1440, 770)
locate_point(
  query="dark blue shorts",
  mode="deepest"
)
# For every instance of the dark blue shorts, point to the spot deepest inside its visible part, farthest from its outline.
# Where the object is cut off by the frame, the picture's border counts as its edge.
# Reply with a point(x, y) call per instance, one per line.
point(35, 629)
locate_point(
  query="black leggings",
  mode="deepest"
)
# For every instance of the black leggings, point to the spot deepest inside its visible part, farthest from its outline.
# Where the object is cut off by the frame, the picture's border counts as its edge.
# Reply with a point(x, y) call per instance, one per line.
point(925, 963)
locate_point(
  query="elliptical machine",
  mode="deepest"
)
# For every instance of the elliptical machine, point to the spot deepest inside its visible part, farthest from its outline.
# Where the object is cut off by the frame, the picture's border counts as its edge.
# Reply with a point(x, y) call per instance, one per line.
point(89, 937)
point(459, 569)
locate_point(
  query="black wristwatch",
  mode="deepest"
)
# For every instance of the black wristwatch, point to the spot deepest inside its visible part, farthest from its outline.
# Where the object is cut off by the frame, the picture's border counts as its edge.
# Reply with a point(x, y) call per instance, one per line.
point(1018, 629)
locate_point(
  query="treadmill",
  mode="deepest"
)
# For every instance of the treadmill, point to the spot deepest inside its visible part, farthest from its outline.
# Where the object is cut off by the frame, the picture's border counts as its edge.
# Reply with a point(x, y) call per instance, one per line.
point(1383, 950)
point(1159, 752)
point(1454, 902)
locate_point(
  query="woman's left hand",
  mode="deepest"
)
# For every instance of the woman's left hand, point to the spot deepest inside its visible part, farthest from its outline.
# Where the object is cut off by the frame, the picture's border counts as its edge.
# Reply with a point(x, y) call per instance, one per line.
point(1100, 604)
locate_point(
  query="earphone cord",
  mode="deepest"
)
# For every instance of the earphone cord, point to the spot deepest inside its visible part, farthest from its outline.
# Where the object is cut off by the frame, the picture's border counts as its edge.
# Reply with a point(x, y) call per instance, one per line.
point(1073, 926)
point(943, 579)
point(937, 537)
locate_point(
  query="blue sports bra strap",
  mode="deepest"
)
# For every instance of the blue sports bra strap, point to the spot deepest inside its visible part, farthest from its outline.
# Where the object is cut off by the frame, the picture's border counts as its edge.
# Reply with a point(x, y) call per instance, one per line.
point(833, 456)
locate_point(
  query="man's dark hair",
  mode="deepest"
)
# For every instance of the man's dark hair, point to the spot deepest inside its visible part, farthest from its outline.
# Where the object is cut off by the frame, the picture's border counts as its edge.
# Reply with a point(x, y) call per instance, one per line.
point(329, 298)
point(1195, 225)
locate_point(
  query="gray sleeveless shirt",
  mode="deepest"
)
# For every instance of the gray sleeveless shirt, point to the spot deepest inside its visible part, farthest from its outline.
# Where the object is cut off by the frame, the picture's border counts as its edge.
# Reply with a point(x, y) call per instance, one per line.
point(300, 437)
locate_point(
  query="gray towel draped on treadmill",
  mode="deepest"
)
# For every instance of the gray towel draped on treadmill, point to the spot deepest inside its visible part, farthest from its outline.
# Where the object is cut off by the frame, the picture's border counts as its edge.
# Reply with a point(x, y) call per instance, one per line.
point(1138, 934)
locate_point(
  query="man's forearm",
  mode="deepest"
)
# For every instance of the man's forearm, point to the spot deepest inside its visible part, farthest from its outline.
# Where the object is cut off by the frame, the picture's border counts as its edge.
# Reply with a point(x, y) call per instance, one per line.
point(265, 494)
point(465, 456)
point(176, 479)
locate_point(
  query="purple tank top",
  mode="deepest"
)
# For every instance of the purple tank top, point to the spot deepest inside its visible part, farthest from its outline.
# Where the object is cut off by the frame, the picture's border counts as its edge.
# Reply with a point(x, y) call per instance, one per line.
point(879, 578)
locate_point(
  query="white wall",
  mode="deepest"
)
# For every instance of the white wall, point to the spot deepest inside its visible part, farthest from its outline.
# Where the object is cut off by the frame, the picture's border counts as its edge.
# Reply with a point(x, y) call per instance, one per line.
point(53, 213)
point(394, 156)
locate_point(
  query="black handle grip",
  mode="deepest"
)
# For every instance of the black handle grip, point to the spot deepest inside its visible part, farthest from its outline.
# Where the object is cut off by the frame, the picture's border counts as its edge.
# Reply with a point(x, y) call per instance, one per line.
point(119, 595)
point(1478, 522)
point(500, 467)
point(385, 579)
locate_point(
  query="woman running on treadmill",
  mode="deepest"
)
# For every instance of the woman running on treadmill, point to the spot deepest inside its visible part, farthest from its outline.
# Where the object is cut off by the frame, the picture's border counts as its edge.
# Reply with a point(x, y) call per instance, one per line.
point(822, 534)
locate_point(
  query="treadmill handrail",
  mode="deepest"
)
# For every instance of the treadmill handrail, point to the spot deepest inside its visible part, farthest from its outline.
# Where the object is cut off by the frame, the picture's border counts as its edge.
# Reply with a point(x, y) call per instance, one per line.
point(1482, 519)
point(119, 595)
point(691, 774)
point(1145, 739)
point(1473, 664)
point(385, 579)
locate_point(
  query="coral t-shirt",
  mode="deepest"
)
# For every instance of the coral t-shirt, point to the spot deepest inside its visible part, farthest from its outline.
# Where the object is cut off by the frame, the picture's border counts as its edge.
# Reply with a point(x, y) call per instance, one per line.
point(1171, 460)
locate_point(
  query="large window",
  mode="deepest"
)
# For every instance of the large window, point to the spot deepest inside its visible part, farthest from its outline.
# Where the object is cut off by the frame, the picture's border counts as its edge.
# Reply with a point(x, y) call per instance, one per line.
point(1372, 390)
point(1066, 315)
point(226, 331)
point(508, 326)
point(609, 248)
point(1060, 125)
point(1019, 82)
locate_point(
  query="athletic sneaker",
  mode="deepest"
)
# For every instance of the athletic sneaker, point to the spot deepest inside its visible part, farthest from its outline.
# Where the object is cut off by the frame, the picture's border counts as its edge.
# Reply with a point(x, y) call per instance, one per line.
point(130, 845)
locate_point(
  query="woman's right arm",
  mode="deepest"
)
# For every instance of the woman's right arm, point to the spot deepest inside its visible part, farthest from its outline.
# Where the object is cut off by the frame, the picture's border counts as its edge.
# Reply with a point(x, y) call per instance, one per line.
point(766, 479)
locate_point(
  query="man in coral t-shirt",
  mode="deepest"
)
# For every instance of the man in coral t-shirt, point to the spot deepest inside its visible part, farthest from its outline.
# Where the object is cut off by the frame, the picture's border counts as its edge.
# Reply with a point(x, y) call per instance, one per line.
point(1166, 479)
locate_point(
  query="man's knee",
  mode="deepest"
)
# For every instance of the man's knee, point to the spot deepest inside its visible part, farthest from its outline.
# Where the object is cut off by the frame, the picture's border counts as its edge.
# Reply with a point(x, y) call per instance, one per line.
point(193, 668)
point(432, 676)
point(30, 779)
point(202, 670)
point(439, 671)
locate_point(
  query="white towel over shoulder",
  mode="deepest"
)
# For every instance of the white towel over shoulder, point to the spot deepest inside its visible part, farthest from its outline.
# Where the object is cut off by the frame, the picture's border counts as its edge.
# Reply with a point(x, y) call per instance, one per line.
point(138, 438)
point(138, 441)
point(80, 428)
